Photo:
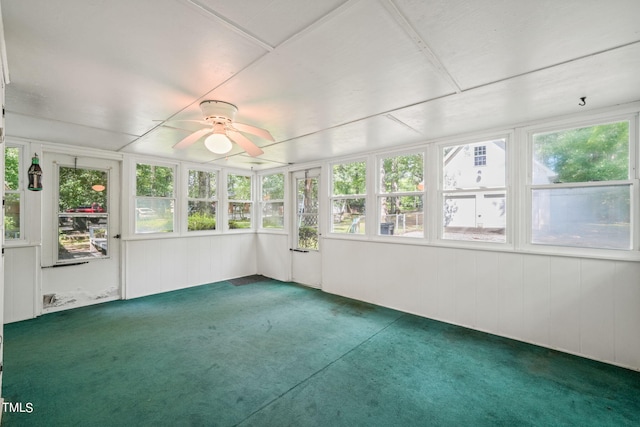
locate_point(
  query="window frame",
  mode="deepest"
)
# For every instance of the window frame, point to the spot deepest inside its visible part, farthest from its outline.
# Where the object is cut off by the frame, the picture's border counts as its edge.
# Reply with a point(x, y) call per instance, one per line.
point(134, 198)
point(263, 203)
point(21, 191)
point(379, 194)
point(441, 192)
point(228, 201)
point(632, 181)
point(365, 196)
point(184, 207)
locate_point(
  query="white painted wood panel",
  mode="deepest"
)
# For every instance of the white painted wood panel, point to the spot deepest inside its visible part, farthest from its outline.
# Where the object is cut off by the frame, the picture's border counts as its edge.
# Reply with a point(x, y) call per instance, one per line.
point(511, 299)
point(597, 309)
point(273, 256)
point(535, 294)
point(20, 283)
point(487, 291)
point(564, 308)
point(586, 307)
point(627, 313)
point(163, 265)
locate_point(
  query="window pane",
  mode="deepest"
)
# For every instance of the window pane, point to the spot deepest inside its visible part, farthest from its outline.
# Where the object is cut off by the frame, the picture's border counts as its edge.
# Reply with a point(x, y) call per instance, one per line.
point(348, 216)
point(349, 178)
point(239, 187)
point(401, 173)
point(82, 236)
point(593, 217)
point(475, 217)
point(239, 215)
point(307, 213)
point(596, 153)
point(82, 190)
point(273, 215)
point(12, 216)
point(202, 216)
point(273, 187)
point(402, 216)
point(11, 168)
point(202, 184)
point(477, 165)
point(154, 181)
point(154, 215)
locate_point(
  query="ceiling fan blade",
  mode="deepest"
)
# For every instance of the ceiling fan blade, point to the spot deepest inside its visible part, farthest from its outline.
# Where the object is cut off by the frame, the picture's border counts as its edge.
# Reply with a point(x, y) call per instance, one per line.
point(192, 138)
point(262, 133)
point(245, 143)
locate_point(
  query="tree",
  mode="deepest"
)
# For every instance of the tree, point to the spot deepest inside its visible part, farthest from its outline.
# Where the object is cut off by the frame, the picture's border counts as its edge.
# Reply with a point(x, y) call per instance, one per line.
point(597, 153)
point(76, 188)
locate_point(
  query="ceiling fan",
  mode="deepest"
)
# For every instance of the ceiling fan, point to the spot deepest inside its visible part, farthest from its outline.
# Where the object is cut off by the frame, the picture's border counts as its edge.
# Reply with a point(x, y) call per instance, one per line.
point(222, 130)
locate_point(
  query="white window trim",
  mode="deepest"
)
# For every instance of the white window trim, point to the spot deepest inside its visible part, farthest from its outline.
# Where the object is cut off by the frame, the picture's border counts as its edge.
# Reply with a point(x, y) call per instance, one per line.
point(133, 235)
point(439, 191)
point(184, 201)
point(378, 194)
point(227, 202)
point(527, 187)
point(261, 203)
point(365, 196)
point(21, 191)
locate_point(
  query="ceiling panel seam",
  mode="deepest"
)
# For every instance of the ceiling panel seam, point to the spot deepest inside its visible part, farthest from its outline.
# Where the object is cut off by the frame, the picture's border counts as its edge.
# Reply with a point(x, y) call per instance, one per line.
point(31, 116)
point(422, 45)
point(332, 14)
point(558, 64)
point(233, 26)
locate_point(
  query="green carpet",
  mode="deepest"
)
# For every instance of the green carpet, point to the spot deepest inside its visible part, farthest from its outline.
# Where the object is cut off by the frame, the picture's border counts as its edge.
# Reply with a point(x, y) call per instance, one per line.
point(278, 354)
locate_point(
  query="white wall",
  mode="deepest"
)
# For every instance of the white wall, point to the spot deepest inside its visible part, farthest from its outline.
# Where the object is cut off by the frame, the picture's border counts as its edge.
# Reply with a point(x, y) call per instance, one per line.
point(162, 265)
point(21, 266)
point(586, 307)
point(273, 256)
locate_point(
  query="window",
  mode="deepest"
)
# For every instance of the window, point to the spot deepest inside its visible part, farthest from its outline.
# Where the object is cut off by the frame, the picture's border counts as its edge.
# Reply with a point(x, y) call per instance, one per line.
point(272, 202)
point(474, 191)
point(83, 213)
point(401, 196)
point(580, 187)
point(480, 155)
point(14, 193)
point(155, 199)
point(202, 200)
point(240, 201)
point(348, 197)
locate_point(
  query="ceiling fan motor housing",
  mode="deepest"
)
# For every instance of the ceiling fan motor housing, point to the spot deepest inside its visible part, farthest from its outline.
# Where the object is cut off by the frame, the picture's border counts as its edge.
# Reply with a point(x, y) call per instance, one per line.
point(218, 111)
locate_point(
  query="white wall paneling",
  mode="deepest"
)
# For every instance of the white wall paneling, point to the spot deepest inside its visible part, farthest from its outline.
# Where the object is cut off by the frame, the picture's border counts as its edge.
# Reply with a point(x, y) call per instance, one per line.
point(162, 265)
point(21, 291)
point(272, 256)
point(582, 306)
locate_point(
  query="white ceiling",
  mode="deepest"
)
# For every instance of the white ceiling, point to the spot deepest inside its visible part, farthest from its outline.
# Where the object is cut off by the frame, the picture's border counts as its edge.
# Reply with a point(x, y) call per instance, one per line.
point(327, 78)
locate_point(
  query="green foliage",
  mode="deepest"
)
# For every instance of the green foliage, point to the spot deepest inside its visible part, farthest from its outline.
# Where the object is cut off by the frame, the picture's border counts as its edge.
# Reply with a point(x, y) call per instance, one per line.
point(75, 187)
point(308, 237)
point(11, 168)
point(239, 187)
point(597, 153)
point(273, 187)
point(402, 173)
point(239, 224)
point(349, 178)
point(201, 221)
point(154, 181)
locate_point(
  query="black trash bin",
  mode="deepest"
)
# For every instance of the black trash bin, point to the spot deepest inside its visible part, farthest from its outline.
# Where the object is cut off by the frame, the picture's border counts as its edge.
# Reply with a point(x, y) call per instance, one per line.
point(386, 228)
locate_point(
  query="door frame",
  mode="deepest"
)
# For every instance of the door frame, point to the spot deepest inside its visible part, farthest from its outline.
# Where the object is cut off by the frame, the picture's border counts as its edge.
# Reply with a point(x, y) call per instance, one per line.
point(50, 276)
point(305, 264)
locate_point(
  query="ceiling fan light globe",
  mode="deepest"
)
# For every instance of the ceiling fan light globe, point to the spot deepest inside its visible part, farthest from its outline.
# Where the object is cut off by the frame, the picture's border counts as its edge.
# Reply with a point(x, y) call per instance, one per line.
point(218, 143)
